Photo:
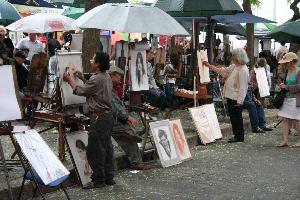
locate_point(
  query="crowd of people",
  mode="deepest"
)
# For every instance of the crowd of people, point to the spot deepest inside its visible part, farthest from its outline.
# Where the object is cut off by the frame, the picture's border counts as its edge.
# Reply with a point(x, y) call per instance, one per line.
point(110, 118)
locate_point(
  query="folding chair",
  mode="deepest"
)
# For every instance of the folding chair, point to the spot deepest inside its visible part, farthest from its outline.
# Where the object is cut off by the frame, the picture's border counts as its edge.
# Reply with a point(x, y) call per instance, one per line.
point(31, 175)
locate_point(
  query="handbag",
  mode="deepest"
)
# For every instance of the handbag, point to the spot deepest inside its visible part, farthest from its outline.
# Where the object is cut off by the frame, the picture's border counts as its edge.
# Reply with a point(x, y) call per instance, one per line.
point(279, 98)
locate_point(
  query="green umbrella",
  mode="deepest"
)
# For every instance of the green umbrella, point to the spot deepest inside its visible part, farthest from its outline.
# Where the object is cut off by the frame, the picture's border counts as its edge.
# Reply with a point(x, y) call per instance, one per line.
point(262, 28)
point(287, 32)
point(73, 12)
point(197, 8)
point(230, 29)
point(8, 13)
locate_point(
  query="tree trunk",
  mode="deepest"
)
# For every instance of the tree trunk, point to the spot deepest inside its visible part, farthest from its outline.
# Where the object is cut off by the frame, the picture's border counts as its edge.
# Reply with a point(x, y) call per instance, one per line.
point(91, 38)
point(250, 33)
point(293, 46)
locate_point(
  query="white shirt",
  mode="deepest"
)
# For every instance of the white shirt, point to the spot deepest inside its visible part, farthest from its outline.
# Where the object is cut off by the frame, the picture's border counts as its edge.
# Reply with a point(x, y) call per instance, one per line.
point(34, 47)
point(236, 85)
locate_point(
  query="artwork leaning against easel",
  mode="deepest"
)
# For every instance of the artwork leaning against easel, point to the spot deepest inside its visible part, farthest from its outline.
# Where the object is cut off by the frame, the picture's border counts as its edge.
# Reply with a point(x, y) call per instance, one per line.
point(121, 54)
point(77, 142)
point(69, 62)
point(38, 73)
point(10, 108)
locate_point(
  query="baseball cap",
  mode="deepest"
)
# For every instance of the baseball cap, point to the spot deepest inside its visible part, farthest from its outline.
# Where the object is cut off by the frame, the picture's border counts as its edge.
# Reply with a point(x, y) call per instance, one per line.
point(288, 57)
point(114, 68)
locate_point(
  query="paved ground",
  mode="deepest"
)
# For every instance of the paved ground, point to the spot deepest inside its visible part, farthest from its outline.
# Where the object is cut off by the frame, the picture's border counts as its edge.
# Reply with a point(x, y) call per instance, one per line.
point(255, 169)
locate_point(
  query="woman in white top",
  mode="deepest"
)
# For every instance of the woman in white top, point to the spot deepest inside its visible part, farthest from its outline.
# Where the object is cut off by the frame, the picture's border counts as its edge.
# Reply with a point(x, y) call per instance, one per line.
point(235, 89)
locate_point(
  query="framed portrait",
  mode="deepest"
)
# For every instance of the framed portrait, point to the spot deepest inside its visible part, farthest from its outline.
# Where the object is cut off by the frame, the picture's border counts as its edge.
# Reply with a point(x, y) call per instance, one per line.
point(164, 142)
point(77, 143)
point(138, 71)
point(69, 62)
point(206, 122)
point(180, 140)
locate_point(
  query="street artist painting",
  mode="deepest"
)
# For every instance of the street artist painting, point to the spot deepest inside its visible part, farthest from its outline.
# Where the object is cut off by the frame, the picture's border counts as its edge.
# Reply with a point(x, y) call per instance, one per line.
point(180, 141)
point(164, 143)
point(138, 71)
point(77, 143)
point(69, 62)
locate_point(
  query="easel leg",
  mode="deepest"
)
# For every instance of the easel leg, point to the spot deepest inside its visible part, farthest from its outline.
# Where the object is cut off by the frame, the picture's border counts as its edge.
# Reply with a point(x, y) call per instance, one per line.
point(5, 171)
point(61, 141)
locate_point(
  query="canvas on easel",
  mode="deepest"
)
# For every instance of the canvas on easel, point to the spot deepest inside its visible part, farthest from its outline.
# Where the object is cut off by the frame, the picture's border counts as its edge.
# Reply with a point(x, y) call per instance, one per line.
point(69, 62)
point(10, 108)
point(121, 54)
point(138, 70)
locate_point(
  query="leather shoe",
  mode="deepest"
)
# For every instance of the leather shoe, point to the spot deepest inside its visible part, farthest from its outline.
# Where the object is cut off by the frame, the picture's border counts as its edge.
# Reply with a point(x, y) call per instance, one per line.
point(258, 130)
point(92, 185)
point(266, 129)
point(139, 166)
point(110, 182)
point(233, 140)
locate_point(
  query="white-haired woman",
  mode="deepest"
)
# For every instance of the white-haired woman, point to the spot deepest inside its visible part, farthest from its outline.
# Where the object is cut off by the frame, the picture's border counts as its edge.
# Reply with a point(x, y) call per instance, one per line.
point(235, 90)
point(290, 111)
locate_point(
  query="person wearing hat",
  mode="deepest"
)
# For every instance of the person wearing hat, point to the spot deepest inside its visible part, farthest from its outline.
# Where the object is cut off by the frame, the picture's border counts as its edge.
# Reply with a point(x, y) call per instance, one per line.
point(123, 130)
point(290, 110)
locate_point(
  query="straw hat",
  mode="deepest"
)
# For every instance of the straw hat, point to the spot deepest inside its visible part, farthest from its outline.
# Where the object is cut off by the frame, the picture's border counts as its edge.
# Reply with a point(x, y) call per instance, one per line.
point(288, 57)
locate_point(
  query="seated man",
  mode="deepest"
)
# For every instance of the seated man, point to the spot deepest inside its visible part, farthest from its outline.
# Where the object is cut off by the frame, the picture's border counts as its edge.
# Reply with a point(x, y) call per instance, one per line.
point(256, 113)
point(22, 72)
point(123, 130)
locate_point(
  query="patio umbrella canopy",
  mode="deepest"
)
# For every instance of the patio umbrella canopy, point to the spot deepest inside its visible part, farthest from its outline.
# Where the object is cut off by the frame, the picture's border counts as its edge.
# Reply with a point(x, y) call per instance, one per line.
point(8, 13)
point(42, 23)
point(128, 18)
point(230, 29)
point(197, 8)
point(73, 12)
point(287, 32)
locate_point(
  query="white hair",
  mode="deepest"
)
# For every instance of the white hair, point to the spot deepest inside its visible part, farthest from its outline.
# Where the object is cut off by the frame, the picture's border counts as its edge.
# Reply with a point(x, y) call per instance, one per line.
point(241, 55)
point(2, 30)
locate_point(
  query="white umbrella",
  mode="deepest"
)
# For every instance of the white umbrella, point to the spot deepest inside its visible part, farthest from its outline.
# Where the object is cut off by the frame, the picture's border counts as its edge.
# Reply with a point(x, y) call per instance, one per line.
point(42, 23)
point(128, 18)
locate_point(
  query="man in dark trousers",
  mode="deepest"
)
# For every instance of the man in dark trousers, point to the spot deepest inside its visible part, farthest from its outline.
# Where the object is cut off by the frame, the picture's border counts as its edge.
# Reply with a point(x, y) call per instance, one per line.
point(123, 131)
point(98, 91)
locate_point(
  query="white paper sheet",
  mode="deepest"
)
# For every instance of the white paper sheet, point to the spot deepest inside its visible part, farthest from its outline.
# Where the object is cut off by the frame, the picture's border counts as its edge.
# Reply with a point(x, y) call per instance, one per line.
point(40, 156)
point(203, 70)
point(206, 122)
point(138, 71)
point(73, 61)
point(262, 82)
point(9, 106)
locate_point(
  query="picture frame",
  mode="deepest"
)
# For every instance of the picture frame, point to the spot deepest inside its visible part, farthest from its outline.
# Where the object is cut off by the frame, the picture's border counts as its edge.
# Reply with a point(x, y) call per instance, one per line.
point(180, 140)
point(77, 143)
point(164, 142)
point(138, 70)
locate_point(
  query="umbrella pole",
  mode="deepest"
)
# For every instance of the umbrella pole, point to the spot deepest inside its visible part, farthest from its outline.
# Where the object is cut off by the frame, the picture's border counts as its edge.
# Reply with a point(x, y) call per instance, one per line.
point(126, 68)
point(192, 62)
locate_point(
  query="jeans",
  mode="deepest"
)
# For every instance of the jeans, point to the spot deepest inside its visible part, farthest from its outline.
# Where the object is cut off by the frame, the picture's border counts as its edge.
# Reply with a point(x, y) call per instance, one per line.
point(100, 148)
point(156, 97)
point(236, 119)
point(256, 113)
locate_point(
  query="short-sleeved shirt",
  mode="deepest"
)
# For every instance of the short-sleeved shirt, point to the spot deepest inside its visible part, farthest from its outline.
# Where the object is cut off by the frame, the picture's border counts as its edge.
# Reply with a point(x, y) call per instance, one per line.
point(34, 47)
point(98, 92)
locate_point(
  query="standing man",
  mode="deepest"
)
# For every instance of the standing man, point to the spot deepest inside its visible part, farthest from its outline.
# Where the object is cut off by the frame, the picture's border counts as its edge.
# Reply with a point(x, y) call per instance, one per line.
point(123, 131)
point(98, 91)
point(31, 43)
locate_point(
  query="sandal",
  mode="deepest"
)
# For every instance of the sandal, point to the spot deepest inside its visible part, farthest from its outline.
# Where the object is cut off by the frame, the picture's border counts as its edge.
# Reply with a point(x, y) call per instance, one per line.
point(282, 145)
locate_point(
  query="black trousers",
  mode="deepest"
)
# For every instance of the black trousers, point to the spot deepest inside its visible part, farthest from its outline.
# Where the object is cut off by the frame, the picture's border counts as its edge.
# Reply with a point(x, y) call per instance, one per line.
point(100, 148)
point(236, 119)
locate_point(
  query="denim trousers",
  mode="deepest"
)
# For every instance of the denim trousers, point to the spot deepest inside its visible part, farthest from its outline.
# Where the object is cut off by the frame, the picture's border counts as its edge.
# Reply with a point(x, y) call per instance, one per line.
point(256, 114)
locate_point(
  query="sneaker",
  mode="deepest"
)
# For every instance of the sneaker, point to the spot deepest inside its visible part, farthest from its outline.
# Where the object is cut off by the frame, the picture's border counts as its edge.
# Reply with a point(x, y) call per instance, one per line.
point(258, 130)
point(139, 166)
point(110, 182)
point(266, 129)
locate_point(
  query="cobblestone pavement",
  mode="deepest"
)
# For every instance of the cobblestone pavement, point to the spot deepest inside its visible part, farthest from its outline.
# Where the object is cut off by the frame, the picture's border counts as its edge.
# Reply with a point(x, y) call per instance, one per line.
point(255, 169)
